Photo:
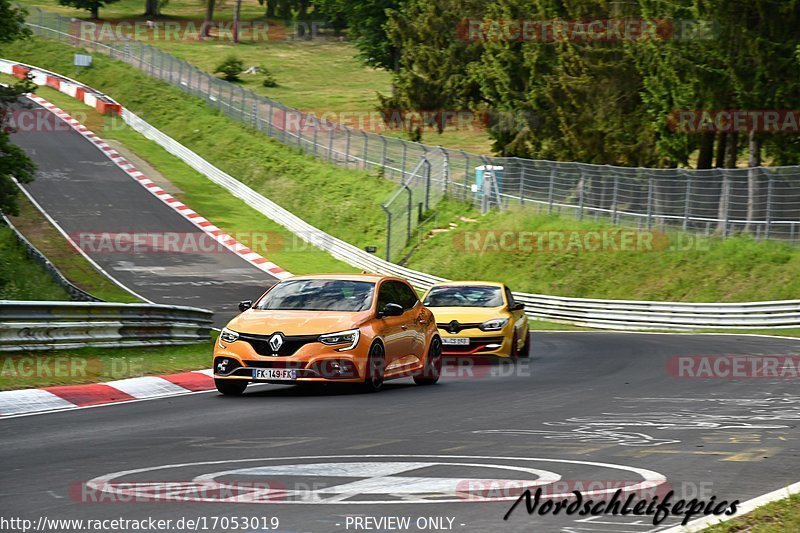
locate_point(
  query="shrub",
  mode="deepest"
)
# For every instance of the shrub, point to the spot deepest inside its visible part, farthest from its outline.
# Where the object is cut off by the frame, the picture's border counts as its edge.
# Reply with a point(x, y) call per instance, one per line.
point(230, 68)
point(269, 78)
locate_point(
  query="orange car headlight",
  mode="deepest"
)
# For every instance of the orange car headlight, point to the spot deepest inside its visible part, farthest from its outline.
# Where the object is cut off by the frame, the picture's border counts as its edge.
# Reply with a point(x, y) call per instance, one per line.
point(349, 338)
point(227, 336)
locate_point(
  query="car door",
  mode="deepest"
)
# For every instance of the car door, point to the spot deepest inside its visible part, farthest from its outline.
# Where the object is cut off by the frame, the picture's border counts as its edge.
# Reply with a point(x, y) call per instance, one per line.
point(414, 324)
point(518, 317)
point(393, 328)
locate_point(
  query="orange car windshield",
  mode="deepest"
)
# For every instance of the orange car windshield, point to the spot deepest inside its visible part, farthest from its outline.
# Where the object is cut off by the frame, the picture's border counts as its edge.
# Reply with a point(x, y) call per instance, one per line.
point(319, 295)
point(464, 296)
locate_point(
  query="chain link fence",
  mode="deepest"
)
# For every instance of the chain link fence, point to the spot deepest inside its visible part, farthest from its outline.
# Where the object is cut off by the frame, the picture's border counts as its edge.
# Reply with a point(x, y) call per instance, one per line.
point(764, 201)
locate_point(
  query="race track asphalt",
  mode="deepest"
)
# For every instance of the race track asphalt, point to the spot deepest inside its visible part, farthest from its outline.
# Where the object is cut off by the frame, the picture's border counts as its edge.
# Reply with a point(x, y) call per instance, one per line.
point(86, 193)
point(580, 397)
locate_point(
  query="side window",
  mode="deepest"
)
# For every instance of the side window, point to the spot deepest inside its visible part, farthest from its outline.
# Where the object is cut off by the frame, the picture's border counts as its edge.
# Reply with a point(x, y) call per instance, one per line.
point(408, 298)
point(386, 294)
point(510, 298)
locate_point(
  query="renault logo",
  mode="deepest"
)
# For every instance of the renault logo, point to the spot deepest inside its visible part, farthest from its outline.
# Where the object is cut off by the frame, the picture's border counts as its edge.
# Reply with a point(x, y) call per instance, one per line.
point(454, 327)
point(275, 342)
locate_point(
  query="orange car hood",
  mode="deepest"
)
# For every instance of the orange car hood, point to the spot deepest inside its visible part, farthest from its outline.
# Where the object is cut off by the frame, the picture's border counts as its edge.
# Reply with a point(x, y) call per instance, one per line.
point(264, 322)
point(467, 315)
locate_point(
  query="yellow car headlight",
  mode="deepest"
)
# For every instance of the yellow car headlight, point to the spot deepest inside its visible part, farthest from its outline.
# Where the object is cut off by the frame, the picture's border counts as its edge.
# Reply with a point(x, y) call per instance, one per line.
point(494, 324)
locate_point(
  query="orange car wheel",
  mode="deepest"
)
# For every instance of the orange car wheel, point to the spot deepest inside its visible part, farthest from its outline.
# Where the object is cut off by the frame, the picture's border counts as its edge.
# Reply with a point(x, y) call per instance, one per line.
point(373, 381)
point(433, 364)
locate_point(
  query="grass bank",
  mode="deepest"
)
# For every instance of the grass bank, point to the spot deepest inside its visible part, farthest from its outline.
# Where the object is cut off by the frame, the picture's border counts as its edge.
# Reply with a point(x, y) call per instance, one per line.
point(776, 517)
point(22, 278)
point(679, 267)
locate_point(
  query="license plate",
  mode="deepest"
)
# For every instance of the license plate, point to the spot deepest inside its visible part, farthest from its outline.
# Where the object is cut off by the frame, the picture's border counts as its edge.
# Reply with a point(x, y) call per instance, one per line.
point(275, 374)
point(457, 341)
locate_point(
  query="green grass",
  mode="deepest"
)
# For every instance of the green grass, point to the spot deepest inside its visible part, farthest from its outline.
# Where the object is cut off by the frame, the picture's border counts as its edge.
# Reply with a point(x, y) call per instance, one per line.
point(91, 365)
point(35, 227)
point(22, 278)
point(711, 270)
point(777, 517)
point(319, 75)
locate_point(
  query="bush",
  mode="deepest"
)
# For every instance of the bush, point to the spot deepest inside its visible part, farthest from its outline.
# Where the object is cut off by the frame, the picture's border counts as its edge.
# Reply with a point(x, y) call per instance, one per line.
point(269, 80)
point(230, 68)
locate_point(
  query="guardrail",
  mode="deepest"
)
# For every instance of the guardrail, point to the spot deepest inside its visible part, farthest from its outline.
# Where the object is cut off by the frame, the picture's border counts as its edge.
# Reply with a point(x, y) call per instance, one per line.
point(31, 325)
point(594, 313)
point(75, 293)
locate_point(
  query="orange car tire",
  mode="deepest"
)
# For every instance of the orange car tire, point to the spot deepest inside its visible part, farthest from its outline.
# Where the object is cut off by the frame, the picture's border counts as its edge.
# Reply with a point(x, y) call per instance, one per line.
point(433, 364)
point(373, 379)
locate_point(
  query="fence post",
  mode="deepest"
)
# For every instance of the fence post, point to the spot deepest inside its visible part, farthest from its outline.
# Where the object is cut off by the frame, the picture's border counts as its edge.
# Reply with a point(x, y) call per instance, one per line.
point(466, 176)
point(403, 164)
point(687, 208)
point(768, 217)
point(316, 134)
point(347, 147)
point(427, 166)
point(366, 148)
point(614, 196)
point(649, 202)
point(446, 169)
point(331, 131)
point(269, 118)
point(580, 193)
point(388, 232)
point(410, 210)
point(383, 154)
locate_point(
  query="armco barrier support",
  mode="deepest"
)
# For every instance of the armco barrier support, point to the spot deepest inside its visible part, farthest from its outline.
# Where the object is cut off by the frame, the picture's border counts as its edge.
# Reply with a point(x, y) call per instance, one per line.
point(594, 313)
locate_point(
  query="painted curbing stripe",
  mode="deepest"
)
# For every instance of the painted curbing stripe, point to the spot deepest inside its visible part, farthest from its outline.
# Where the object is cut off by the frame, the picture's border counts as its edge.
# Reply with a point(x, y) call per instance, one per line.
point(70, 397)
point(147, 387)
point(30, 400)
point(203, 224)
point(90, 394)
point(194, 381)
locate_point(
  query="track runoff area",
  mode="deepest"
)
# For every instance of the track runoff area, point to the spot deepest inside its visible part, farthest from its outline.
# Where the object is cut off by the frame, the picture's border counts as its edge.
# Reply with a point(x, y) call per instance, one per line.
point(607, 432)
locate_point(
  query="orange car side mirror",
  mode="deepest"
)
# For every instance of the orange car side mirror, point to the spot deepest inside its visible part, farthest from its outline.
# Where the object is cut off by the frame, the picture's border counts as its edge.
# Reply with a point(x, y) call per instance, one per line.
point(391, 310)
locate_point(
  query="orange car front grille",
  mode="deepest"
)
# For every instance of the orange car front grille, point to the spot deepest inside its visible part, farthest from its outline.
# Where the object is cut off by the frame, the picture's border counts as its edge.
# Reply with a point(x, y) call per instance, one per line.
point(290, 345)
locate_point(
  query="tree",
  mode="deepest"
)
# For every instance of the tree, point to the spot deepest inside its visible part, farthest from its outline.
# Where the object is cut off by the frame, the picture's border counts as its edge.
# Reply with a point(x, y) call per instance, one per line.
point(209, 19)
point(93, 6)
point(14, 163)
point(433, 61)
point(366, 22)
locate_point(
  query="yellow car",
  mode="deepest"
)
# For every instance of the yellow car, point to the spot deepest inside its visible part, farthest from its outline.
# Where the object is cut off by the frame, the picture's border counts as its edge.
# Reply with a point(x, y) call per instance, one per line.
point(343, 328)
point(479, 318)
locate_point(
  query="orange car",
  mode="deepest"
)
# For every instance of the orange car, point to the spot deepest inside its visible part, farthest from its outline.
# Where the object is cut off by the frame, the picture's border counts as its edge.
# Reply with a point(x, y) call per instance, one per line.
point(330, 328)
point(479, 318)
